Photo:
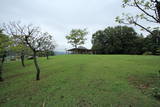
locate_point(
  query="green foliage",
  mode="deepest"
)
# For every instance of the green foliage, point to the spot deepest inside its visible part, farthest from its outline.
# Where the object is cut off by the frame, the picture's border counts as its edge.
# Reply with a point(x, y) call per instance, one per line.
point(156, 92)
point(19, 48)
point(158, 51)
point(77, 80)
point(5, 43)
point(148, 53)
point(152, 42)
point(4, 48)
point(77, 37)
point(117, 40)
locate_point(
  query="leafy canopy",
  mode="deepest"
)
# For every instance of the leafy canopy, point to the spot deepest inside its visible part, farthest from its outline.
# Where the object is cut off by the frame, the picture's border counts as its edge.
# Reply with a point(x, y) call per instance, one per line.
point(4, 43)
point(116, 40)
point(77, 37)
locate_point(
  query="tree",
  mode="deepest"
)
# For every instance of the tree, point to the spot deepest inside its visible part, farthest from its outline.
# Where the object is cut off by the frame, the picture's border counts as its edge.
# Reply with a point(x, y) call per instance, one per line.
point(139, 45)
point(99, 41)
point(4, 46)
point(19, 48)
point(116, 40)
point(151, 42)
point(150, 12)
point(31, 36)
point(77, 37)
point(48, 45)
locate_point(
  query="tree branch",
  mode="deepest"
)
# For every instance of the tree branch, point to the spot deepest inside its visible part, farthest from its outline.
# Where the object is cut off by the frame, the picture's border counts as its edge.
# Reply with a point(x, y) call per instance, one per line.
point(145, 11)
point(143, 27)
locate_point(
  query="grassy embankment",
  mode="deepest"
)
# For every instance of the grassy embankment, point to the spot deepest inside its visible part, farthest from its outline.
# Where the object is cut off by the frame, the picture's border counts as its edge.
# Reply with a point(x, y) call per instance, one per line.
point(82, 81)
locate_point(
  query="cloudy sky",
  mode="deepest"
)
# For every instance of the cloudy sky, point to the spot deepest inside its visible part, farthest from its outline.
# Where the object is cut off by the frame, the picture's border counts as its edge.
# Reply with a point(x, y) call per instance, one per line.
point(58, 17)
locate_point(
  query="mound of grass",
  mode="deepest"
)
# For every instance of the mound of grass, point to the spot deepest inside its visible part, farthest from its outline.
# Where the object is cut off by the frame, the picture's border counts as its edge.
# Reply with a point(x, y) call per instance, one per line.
point(82, 81)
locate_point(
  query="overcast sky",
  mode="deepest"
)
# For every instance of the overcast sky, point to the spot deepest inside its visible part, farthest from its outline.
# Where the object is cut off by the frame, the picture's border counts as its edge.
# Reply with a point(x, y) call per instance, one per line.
point(58, 17)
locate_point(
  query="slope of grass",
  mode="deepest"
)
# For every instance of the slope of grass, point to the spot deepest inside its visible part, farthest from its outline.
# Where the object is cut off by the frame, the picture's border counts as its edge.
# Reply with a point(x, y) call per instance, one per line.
point(82, 81)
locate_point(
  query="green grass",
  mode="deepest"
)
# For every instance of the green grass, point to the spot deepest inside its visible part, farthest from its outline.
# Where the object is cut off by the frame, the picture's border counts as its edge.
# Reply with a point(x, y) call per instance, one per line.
point(82, 81)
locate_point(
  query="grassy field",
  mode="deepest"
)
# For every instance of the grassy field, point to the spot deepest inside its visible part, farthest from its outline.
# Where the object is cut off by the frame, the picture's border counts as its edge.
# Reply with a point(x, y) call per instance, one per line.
point(82, 81)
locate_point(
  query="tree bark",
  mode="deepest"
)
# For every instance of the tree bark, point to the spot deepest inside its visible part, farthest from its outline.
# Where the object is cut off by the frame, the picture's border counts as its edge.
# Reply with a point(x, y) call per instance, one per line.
point(37, 66)
point(22, 58)
point(47, 55)
point(1, 67)
point(158, 9)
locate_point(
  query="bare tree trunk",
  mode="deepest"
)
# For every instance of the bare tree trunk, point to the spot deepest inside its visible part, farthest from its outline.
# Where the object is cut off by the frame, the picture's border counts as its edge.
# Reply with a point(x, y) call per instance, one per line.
point(22, 58)
point(1, 67)
point(37, 66)
point(158, 9)
point(47, 55)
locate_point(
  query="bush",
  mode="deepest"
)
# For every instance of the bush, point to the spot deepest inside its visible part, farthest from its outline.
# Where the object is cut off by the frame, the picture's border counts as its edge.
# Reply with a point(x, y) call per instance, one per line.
point(156, 92)
point(158, 52)
point(147, 53)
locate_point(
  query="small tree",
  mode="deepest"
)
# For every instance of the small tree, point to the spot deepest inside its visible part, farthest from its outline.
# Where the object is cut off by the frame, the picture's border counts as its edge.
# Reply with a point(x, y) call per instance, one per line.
point(19, 48)
point(4, 46)
point(48, 45)
point(77, 37)
point(30, 36)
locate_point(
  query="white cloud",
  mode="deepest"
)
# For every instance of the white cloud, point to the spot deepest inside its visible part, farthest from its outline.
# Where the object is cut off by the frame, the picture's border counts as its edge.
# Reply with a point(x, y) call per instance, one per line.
point(60, 16)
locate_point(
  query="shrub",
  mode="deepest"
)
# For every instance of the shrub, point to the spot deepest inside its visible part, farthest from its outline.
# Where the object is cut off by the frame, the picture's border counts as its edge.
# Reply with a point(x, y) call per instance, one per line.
point(147, 53)
point(158, 52)
point(156, 92)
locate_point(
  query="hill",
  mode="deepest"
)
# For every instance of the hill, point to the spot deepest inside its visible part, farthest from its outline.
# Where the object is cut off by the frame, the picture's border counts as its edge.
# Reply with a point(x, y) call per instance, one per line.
point(82, 81)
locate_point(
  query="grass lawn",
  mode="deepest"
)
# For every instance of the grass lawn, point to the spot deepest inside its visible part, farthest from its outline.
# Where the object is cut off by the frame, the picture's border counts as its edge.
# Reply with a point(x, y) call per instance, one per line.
point(82, 81)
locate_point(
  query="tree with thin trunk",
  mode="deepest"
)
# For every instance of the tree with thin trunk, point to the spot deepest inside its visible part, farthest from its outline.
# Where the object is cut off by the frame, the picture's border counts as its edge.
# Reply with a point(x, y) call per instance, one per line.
point(30, 36)
point(149, 11)
point(77, 37)
point(20, 49)
point(4, 46)
point(48, 44)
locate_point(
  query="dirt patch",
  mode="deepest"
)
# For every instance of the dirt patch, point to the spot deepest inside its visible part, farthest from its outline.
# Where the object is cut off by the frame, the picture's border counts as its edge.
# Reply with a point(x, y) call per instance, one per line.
point(145, 84)
point(83, 103)
point(141, 85)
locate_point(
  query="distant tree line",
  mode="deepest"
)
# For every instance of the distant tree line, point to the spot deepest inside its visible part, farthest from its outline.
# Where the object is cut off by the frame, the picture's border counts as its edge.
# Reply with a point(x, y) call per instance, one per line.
point(124, 40)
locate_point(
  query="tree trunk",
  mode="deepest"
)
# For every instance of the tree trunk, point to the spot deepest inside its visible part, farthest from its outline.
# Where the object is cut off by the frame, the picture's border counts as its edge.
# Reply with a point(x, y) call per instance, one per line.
point(37, 66)
point(22, 58)
point(158, 10)
point(47, 55)
point(1, 67)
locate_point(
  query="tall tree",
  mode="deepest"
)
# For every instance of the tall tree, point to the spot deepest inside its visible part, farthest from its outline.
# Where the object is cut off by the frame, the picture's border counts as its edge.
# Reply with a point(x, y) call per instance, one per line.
point(100, 41)
point(4, 47)
point(116, 40)
point(149, 12)
point(151, 42)
point(29, 35)
point(77, 37)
